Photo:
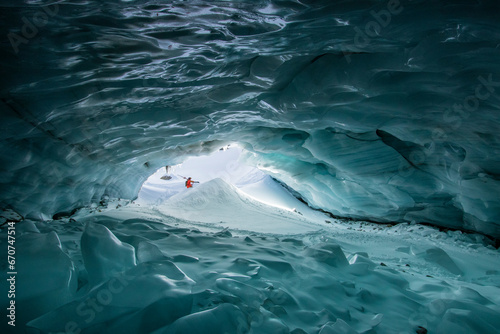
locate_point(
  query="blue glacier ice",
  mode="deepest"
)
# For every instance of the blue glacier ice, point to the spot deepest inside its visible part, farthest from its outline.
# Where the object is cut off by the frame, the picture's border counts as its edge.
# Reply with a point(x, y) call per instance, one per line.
point(370, 111)
point(382, 111)
point(385, 111)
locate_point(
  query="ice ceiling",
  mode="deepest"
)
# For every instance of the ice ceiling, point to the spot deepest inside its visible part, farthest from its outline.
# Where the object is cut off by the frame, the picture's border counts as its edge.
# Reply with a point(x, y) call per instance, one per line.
point(376, 110)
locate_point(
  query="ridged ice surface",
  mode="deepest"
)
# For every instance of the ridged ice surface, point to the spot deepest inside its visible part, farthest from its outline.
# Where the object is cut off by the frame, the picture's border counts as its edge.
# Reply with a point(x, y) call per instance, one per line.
point(122, 267)
point(377, 110)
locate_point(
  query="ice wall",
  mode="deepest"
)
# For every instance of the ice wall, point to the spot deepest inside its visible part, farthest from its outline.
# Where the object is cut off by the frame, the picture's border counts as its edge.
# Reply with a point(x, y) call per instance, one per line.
point(385, 111)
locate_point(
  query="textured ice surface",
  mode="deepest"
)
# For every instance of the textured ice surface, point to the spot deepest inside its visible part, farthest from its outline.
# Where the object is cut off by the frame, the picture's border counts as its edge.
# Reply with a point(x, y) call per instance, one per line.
point(103, 254)
point(171, 275)
point(49, 278)
point(377, 110)
point(382, 111)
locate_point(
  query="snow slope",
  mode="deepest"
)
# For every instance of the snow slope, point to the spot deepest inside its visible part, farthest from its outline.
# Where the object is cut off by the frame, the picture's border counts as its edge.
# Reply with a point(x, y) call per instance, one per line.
point(219, 202)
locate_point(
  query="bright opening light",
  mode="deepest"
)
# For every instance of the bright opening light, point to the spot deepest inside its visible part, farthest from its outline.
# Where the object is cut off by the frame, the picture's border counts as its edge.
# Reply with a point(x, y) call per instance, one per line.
point(224, 164)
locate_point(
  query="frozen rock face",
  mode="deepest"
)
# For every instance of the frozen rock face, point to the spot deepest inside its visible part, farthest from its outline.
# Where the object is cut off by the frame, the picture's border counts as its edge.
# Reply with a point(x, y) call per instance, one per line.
point(385, 111)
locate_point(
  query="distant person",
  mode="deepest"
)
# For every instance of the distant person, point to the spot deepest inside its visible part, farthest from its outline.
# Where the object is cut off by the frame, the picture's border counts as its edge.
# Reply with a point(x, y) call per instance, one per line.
point(166, 177)
point(189, 182)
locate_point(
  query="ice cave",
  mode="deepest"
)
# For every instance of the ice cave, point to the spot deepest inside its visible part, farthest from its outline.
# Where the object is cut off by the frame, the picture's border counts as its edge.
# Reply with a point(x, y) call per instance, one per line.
point(345, 159)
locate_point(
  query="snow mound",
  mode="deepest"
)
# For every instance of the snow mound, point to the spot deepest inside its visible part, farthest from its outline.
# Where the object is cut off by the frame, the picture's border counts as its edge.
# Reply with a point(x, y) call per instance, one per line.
point(216, 201)
point(215, 192)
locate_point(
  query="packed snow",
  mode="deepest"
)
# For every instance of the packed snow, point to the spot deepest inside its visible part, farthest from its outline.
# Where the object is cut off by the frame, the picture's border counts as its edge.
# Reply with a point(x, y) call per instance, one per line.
point(213, 259)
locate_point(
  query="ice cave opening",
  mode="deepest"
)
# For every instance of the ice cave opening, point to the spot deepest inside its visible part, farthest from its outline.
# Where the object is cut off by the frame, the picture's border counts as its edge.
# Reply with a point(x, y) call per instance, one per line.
point(228, 164)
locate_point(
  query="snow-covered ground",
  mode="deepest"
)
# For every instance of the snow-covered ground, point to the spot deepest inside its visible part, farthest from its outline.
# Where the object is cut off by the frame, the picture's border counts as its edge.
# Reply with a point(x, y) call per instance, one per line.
point(217, 259)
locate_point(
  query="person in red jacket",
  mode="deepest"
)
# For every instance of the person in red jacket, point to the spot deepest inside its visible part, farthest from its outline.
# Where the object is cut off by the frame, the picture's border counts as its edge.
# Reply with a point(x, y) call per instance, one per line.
point(189, 182)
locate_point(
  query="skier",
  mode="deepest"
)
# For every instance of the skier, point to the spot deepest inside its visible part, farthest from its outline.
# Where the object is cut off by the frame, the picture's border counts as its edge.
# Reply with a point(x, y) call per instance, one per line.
point(189, 182)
